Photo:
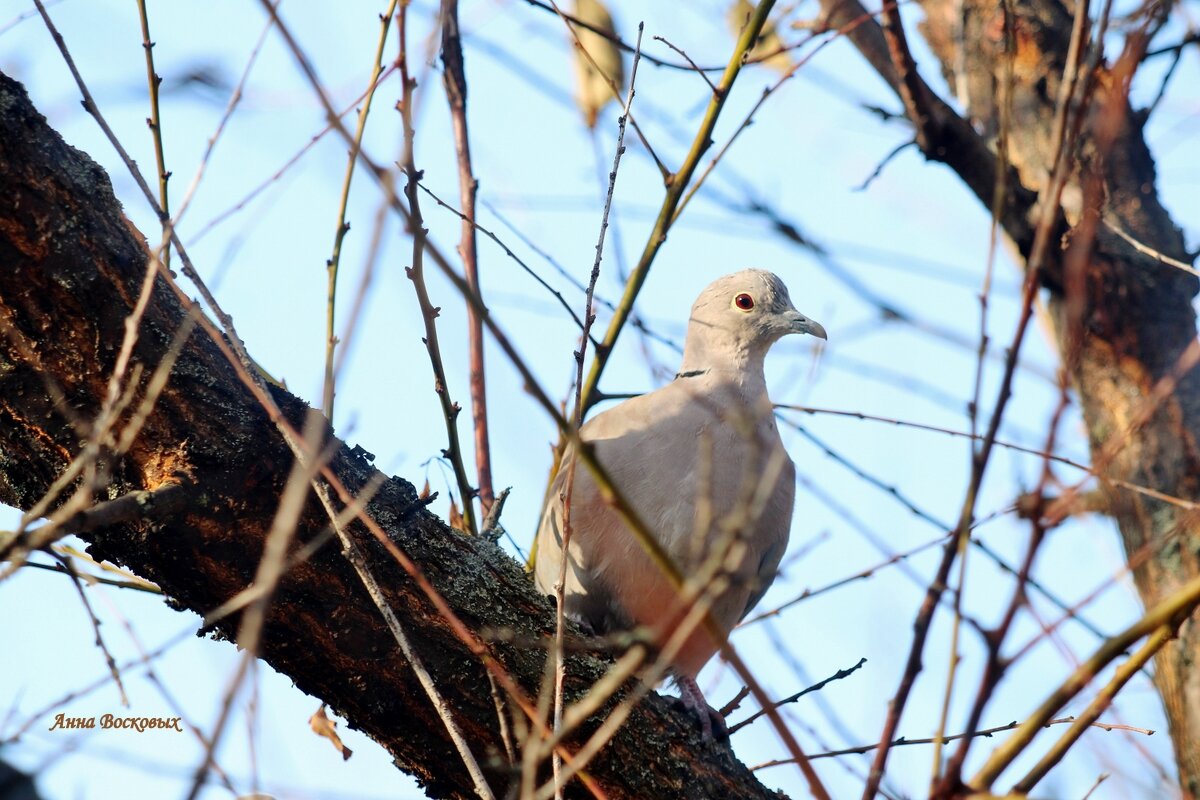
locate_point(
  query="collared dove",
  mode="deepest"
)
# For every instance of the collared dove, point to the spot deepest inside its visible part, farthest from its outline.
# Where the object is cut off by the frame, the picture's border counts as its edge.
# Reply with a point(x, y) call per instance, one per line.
point(701, 462)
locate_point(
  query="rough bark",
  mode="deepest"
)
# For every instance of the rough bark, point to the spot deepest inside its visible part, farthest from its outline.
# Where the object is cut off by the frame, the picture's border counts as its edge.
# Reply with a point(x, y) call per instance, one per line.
point(70, 267)
point(1123, 319)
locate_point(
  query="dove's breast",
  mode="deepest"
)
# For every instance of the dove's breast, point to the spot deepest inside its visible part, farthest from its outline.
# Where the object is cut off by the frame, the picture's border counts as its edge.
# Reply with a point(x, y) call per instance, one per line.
point(706, 472)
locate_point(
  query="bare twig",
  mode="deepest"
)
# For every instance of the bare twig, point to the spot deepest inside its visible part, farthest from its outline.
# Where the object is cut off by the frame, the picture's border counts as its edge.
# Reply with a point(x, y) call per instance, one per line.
point(1101, 778)
point(589, 316)
point(454, 78)
point(445, 713)
point(612, 87)
point(1162, 621)
point(343, 227)
point(113, 670)
point(153, 80)
point(987, 733)
point(508, 252)
point(1097, 707)
point(147, 504)
point(770, 91)
point(285, 167)
point(816, 687)
point(1147, 250)
point(235, 98)
point(1038, 257)
point(429, 312)
point(912, 90)
point(676, 187)
point(132, 582)
point(491, 529)
point(691, 63)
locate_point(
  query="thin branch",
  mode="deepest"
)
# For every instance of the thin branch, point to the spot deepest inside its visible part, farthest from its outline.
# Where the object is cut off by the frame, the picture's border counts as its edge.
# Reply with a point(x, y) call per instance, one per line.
point(987, 733)
point(153, 81)
point(287, 165)
point(111, 662)
point(862, 574)
point(635, 321)
point(1099, 704)
point(613, 88)
point(1147, 250)
point(580, 355)
point(167, 499)
point(887, 159)
point(1169, 614)
point(676, 187)
point(1033, 451)
point(454, 78)
point(1191, 38)
point(509, 252)
point(1039, 256)
point(429, 312)
point(712, 86)
point(343, 227)
point(912, 90)
point(359, 562)
point(748, 120)
point(491, 528)
point(1101, 778)
point(816, 687)
point(934, 521)
point(235, 98)
point(120, 583)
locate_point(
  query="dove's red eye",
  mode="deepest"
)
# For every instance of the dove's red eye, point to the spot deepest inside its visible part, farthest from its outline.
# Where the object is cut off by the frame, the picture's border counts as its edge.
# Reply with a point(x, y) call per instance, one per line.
point(744, 301)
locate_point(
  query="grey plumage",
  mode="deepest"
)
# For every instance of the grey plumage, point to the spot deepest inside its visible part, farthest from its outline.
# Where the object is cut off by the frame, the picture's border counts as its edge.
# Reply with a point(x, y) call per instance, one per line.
point(701, 461)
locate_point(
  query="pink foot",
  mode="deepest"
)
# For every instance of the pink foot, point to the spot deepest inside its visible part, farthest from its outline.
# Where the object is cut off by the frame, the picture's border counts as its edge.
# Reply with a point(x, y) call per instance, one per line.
point(693, 700)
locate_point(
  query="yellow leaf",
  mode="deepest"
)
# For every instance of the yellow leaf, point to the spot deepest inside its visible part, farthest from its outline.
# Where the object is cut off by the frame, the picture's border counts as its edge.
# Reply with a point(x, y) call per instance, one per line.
point(768, 50)
point(322, 725)
point(594, 90)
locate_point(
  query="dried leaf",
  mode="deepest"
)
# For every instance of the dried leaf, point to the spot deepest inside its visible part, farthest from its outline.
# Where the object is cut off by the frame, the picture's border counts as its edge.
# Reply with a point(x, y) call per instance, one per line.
point(768, 50)
point(425, 491)
point(594, 90)
point(322, 725)
point(456, 517)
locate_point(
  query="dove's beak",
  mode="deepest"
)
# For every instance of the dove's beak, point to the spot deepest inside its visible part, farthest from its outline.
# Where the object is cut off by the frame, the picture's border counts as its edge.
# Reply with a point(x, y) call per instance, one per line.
point(802, 324)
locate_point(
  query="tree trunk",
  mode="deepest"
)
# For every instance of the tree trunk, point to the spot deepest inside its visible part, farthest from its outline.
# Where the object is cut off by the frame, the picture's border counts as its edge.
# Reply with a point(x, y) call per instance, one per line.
point(70, 270)
point(1122, 315)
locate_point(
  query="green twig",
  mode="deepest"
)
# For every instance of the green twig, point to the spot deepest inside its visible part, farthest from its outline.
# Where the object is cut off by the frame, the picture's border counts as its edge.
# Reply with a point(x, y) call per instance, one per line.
point(343, 227)
point(1168, 615)
point(676, 186)
point(1099, 703)
point(153, 80)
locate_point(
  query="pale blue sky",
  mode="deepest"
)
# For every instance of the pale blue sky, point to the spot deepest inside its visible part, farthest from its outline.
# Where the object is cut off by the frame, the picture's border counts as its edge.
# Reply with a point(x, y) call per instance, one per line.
point(915, 236)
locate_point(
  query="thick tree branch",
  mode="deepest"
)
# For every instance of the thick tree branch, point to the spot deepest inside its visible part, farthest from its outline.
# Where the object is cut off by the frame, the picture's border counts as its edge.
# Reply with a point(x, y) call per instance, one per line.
point(72, 266)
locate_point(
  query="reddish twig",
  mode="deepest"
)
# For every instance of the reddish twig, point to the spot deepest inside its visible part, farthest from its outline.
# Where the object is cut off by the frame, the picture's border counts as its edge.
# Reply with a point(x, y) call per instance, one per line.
point(454, 78)
point(429, 312)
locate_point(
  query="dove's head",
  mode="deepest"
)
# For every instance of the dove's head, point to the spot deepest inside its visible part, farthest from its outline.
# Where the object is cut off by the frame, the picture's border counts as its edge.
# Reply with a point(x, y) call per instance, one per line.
point(737, 318)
